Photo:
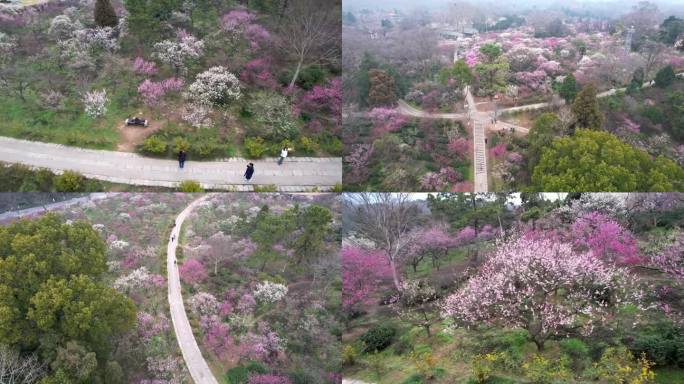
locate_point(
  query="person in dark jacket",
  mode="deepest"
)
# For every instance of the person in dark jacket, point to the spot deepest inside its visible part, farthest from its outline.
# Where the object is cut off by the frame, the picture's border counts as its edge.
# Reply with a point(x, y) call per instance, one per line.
point(250, 171)
point(181, 158)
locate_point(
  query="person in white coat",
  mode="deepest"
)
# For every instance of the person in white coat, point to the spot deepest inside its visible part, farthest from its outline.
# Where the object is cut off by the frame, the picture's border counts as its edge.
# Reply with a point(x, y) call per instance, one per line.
point(283, 155)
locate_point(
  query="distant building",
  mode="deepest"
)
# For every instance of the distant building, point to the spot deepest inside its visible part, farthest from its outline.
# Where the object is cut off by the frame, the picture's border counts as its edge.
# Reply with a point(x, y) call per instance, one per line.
point(469, 32)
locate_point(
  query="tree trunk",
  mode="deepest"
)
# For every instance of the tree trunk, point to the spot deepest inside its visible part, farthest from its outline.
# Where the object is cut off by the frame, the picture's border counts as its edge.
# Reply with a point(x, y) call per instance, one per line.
point(296, 74)
point(395, 275)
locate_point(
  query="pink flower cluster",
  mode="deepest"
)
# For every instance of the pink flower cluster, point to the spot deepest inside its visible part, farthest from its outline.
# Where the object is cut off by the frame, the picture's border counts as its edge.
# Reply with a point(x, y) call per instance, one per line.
point(605, 238)
point(259, 73)
point(386, 120)
point(498, 151)
point(152, 92)
point(267, 378)
point(192, 272)
point(240, 21)
point(143, 67)
point(460, 147)
point(361, 272)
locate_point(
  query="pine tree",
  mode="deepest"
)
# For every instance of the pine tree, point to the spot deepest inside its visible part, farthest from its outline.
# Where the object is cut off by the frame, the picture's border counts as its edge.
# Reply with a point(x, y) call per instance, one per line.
point(105, 15)
point(586, 108)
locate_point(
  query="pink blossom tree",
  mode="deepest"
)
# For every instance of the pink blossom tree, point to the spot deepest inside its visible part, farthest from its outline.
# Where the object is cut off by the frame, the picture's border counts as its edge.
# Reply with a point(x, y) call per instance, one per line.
point(358, 161)
point(671, 260)
point(386, 120)
point(460, 147)
point(605, 238)
point(543, 286)
point(218, 339)
point(192, 272)
point(143, 67)
point(361, 272)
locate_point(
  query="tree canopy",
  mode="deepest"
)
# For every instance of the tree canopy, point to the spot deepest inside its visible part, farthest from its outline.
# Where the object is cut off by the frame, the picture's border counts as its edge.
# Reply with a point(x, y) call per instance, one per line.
point(599, 161)
point(51, 289)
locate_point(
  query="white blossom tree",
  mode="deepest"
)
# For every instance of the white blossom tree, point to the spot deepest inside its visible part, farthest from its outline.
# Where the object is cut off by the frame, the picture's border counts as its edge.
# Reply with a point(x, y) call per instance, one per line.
point(95, 103)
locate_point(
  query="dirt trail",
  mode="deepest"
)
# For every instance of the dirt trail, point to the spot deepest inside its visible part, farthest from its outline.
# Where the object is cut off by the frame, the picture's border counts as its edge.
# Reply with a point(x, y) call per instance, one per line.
point(132, 135)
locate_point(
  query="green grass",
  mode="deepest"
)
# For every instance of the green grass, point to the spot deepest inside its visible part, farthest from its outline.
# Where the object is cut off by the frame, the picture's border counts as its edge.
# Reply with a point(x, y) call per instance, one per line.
point(669, 376)
point(69, 127)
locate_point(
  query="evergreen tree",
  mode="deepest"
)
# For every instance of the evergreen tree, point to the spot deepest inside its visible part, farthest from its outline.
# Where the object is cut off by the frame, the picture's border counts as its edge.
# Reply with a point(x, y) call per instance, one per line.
point(569, 89)
point(105, 15)
point(665, 77)
point(586, 109)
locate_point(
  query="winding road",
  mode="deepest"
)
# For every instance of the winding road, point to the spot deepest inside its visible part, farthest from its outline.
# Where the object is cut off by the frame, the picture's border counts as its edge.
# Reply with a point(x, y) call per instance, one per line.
point(197, 366)
point(295, 175)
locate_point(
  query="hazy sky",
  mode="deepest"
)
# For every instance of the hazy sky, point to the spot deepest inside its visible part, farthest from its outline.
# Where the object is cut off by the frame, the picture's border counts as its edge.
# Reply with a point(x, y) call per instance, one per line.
point(613, 6)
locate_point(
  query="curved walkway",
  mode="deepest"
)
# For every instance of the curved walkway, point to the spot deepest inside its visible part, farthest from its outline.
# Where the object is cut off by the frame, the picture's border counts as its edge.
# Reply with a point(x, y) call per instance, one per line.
point(296, 174)
point(406, 109)
point(197, 366)
point(480, 122)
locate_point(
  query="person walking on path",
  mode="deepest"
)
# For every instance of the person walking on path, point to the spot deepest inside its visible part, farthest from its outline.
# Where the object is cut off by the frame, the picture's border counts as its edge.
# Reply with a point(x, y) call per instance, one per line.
point(249, 172)
point(283, 155)
point(181, 158)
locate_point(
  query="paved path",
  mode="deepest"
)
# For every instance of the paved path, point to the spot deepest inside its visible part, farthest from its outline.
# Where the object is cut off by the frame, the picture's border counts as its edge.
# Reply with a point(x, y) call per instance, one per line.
point(197, 366)
point(408, 110)
point(353, 381)
point(52, 206)
point(480, 122)
point(296, 174)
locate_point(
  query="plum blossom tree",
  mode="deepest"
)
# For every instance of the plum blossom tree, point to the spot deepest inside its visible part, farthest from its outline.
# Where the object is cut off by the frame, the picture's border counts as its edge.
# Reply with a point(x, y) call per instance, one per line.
point(358, 161)
point(605, 238)
point(361, 271)
point(268, 292)
point(219, 340)
point(459, 146)
point(386, 120)
point(143, 67)
point(417, 304)
point(177, 53)
point(214, 87)
point(671, 260)
point(95, 103)
point(543, 286)
point(204, 304)
point(387, 220)
point(192, 272)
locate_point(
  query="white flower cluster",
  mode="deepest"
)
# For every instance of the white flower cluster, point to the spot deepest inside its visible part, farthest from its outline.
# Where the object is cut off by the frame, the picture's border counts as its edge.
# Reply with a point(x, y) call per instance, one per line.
point(95, 103)
point(204, 304)
point(138, 279)
point(268, 292)
point(7, 43)
point(62, 27)
point(99, 227)
point(118, 244)
point(215, 86)
point(198, 116)
point(176, 53)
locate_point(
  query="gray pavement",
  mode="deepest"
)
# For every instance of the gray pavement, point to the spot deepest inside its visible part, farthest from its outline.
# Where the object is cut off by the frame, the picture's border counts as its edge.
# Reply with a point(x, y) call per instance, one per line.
point(296, 174)
point(197, 366)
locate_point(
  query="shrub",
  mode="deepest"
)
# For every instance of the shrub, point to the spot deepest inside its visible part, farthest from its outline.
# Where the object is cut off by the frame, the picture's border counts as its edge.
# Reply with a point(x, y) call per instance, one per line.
point(240, 374)
point(618, 365)
point(70, 181)
point(663, 344)
point(307, 145)
point(654, 114)
point(542, 371)
point(483, 366)
point(574, 348)
point(155, 145)
point(665, 77)
point(180, 143)
point(310, 76)
point(416, 378)
point(425, 363)
point(255, 147)
point(378, 338)
point(349, 355)
point(190, 186)
point(272, 113)
point(265, 188)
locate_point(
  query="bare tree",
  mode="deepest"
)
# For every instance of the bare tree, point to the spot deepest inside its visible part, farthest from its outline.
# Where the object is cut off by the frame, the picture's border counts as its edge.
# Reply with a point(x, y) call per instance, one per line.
point(387, 220)
point(652, 52)
point(15, 369)
point(311, 33)
point(219, 249)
